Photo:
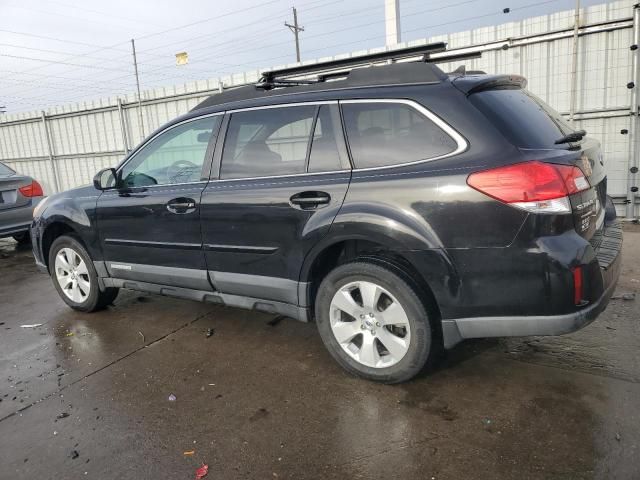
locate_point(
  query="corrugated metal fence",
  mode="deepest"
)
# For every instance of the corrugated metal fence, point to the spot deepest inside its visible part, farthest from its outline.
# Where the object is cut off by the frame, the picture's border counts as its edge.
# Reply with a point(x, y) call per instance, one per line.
point(64, 146)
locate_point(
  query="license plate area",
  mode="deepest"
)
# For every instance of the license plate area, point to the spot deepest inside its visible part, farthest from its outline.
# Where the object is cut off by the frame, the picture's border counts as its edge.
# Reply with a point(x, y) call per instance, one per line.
point(8, 198)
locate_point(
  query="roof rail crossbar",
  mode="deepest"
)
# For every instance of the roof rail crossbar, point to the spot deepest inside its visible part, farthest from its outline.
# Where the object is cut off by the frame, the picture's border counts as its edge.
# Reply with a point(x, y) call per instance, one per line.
point(421, 50)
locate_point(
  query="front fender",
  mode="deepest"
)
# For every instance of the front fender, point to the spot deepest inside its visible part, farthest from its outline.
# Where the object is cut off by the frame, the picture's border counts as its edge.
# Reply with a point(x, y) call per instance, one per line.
point(75, 210)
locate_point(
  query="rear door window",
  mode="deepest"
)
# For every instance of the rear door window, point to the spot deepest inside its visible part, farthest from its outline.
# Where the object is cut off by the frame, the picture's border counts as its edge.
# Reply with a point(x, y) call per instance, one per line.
point(385, 133)
point(267, 142)
point(525, 119)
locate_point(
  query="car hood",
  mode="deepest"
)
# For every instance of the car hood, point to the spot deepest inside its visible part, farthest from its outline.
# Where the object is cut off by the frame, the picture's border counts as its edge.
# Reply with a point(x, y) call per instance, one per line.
point(84, 191)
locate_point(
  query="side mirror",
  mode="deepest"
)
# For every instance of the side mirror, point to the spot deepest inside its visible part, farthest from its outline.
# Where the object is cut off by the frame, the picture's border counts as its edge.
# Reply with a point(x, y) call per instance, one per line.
point(105, 179)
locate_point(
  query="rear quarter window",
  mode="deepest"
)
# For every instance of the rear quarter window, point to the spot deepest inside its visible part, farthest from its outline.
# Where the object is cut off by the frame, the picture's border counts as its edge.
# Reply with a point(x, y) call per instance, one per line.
point(386, 133)
point(526, 120)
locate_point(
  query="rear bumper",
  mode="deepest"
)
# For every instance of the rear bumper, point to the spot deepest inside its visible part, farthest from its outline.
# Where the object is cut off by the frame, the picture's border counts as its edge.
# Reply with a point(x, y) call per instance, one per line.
point(17, 220)
point(456, 330)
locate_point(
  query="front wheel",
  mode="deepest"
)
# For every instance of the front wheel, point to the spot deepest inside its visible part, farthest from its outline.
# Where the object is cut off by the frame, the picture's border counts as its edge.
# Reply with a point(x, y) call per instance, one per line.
point(75, 277)
point(373, 322)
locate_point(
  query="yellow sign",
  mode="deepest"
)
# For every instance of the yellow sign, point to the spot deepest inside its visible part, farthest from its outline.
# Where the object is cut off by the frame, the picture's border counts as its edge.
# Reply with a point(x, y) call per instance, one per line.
point(182, 58)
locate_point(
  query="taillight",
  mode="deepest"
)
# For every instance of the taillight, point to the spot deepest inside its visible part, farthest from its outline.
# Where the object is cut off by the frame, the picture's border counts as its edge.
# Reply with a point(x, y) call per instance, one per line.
point(533, 186)
point(33, 190)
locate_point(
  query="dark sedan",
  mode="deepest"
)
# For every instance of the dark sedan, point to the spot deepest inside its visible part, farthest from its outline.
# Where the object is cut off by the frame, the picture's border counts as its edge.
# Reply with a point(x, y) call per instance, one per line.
point(19, 195)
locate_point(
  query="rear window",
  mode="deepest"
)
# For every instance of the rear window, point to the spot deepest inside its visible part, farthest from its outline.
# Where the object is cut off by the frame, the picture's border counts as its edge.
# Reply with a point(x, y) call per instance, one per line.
point(526, 120)
point(4, 170)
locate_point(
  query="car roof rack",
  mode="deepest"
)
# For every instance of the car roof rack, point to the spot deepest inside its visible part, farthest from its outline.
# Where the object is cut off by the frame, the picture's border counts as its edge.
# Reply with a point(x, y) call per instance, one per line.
point(340, 68)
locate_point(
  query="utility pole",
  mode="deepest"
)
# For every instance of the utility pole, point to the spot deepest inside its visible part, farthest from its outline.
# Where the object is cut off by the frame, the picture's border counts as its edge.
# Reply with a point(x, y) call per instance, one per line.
point(296, 30)
point(392, 22)
point(135, 67)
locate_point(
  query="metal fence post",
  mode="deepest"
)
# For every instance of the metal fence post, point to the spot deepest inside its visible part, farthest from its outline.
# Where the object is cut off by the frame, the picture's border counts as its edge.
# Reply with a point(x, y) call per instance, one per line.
point(123, 127)
point(574, 63)
point(50, 151)
point(635, 123)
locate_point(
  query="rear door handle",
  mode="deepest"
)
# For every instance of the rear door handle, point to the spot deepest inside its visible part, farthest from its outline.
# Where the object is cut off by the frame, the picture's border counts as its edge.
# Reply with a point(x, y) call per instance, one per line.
point(181, 205)
point(310, 200)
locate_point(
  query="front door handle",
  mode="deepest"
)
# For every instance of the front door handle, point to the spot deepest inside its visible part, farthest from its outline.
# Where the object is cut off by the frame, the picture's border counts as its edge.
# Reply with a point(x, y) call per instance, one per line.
point(310, 200)
point(181, 205)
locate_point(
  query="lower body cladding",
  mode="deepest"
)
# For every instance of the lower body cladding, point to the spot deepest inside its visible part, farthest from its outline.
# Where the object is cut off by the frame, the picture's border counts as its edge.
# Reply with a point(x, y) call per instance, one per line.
point(252, 292)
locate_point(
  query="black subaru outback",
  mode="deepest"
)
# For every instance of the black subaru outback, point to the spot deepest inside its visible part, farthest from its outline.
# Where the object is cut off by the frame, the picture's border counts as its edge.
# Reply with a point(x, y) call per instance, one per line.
point(400, 208)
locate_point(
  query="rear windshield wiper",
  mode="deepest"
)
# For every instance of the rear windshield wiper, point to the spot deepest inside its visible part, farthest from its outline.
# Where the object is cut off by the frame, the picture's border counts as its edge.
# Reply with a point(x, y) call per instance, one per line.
point(572, 137)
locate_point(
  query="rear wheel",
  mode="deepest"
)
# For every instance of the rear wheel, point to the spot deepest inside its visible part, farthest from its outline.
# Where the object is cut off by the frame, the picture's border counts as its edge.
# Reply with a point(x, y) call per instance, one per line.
point(22, 238)
point(75, 277)
point(373, 322)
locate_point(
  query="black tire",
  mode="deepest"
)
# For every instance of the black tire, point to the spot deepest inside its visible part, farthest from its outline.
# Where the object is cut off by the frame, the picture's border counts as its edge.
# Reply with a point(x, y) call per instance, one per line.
point(421, 344)
point(22, 238)
point(97, 299)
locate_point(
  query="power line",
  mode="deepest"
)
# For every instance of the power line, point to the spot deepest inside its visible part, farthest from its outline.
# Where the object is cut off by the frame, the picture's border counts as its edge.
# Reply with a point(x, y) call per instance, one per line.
point(107, 14)
point(22, 81)
point(421, 28)
point(236, 52)
point(312, 21)
point(102, 48)
point(353, 27)
point(57, 14)
point(476, 17)
point(240, 27)
point(74, 55)
point(57, 52)
point(217, 17)
point(59, 62)
point(44, 37)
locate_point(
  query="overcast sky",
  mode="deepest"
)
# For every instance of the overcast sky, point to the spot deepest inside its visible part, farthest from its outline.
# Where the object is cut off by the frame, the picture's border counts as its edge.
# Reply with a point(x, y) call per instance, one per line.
point(60, 51)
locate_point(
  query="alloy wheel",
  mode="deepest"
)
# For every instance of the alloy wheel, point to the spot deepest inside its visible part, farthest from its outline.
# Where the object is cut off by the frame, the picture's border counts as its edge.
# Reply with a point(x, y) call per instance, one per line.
point(72, 275)
point(370, 324)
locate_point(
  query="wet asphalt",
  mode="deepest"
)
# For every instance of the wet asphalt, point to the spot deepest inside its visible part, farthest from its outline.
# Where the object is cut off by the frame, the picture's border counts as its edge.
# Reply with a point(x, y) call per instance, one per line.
point(87, 396)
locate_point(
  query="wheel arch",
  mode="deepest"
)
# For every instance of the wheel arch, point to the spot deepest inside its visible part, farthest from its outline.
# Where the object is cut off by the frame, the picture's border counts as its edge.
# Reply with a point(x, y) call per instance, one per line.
point(383, 251)
point(51, 232)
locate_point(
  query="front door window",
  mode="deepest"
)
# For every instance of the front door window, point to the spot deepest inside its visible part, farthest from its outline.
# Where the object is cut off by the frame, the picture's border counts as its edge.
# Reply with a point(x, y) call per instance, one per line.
point(175, 156)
